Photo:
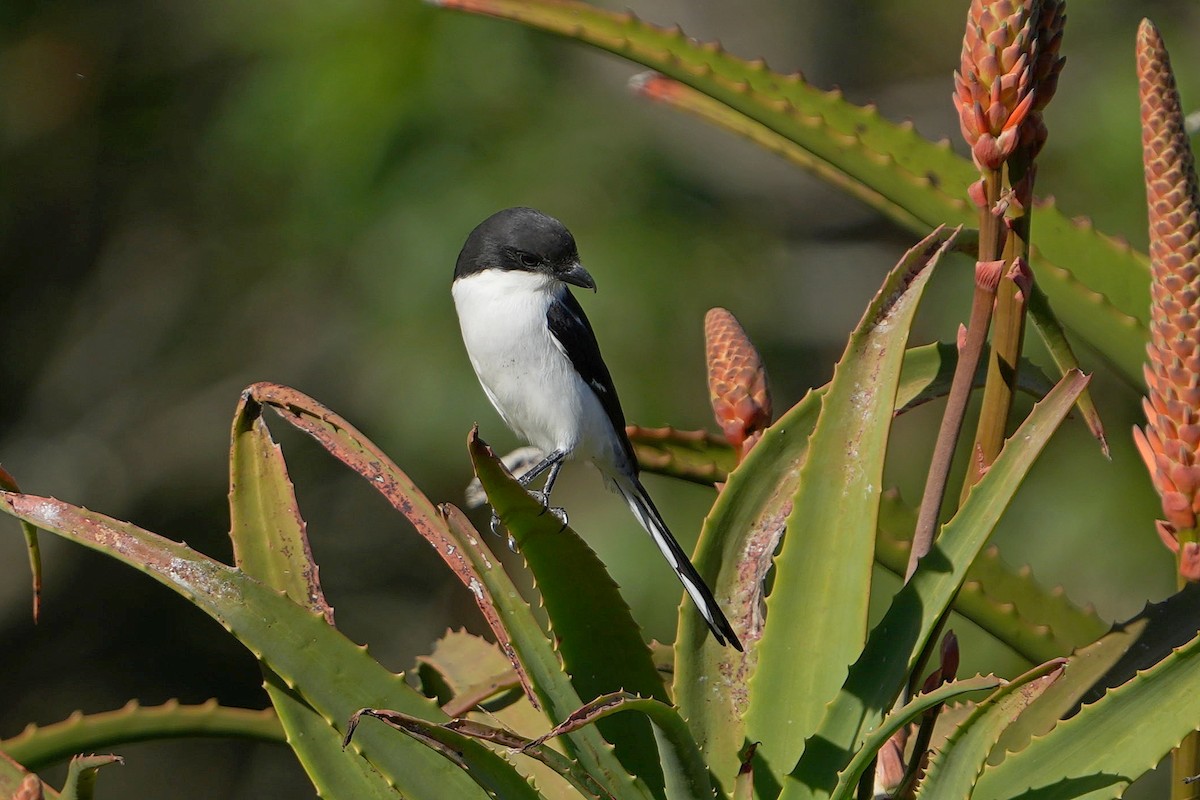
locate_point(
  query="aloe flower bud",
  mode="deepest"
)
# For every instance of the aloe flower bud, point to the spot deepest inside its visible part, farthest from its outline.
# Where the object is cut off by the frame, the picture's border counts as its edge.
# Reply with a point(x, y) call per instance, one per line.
point(737, 381)
point(1008, 71)
point(1170, 442)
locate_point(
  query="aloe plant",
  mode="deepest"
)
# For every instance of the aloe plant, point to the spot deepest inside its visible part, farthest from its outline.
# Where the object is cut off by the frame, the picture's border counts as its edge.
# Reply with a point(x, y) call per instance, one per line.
point(566, 699)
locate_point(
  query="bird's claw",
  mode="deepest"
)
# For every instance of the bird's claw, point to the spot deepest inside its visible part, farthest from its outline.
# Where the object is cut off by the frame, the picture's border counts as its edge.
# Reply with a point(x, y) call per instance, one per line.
point(560, 513)
point(497, 528)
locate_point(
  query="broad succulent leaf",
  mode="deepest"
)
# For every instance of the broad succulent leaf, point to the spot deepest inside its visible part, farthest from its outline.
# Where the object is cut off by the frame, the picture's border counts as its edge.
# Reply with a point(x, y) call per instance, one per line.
point(600, 644)
point(1106, 746)
point(910, 712)
point(956, 765)
point(270, 544)
point(895, 644)
point(1008, 603)
point(823, 571)
point(298, 645)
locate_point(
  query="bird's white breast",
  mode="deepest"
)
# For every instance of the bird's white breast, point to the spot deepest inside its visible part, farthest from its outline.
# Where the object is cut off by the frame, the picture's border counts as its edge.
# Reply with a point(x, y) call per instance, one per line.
point(525, 373)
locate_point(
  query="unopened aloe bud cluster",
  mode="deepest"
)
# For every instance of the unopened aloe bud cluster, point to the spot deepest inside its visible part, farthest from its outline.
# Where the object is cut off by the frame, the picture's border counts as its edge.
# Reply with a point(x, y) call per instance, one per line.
point(737, 381)
point(1170, 443)
point(1008, 73)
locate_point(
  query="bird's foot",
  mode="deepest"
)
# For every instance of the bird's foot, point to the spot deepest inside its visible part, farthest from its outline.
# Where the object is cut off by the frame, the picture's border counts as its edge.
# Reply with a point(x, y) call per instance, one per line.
point(560, 513)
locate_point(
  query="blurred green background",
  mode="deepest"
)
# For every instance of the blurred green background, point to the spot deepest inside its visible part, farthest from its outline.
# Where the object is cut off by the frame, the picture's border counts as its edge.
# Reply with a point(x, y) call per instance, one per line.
point(197, 196)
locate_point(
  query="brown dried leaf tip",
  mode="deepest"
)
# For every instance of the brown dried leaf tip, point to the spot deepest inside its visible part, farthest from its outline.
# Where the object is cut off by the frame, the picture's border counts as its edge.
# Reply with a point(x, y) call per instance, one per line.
point(737, 381)
point(1170, 443)
point(1007, 74)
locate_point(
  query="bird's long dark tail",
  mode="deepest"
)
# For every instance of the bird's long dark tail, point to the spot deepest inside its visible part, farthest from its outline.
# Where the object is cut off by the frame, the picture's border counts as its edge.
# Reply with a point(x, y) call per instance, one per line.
point(647, 514)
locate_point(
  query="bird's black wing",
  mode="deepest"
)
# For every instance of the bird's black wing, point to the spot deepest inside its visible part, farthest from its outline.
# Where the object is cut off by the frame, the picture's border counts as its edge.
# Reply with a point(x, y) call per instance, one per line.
point(570, 328)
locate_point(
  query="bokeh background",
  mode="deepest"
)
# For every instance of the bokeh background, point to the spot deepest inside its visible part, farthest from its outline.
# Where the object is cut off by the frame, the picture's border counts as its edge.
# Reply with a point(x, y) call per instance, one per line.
point(196, 196)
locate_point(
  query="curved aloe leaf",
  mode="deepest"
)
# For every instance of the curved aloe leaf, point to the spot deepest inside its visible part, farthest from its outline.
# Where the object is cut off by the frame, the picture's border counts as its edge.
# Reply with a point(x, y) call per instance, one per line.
point(601, 646)
point(1110, 743)
point(684, 769)
point(1037, 623)
point(81, 775)
point(468, 672)
point(910, 712)
point(8, 484)
point(954, 769)
point(740, 536)
point(817, 614)
point(460, 546)
point(448, 739)
point(1115, 658)
point(1098, 285)
point(696, 456)
point(270, 544)
point(334, 675)
point(38, 747)
point(895, 644)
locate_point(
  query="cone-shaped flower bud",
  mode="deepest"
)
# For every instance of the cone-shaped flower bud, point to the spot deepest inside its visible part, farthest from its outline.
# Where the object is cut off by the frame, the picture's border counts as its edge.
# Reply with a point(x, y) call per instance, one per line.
point(1170, 443)
point(737, 380)
point(1008, 70)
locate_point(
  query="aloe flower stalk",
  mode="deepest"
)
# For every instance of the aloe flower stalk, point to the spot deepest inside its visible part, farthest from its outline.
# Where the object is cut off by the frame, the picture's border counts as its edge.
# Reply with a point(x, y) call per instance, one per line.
point(1170, 442)
point(737, 381)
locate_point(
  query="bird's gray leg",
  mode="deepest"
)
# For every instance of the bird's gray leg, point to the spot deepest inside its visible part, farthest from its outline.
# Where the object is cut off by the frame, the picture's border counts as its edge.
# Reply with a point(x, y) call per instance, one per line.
point(561, 513)
point(552, 462)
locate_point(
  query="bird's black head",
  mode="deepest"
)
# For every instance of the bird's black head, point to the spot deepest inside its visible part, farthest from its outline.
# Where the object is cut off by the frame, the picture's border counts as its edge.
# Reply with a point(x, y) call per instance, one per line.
point(526, 240)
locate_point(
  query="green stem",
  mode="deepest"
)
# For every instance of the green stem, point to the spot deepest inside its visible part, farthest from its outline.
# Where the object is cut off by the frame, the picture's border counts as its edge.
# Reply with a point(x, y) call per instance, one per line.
point(1008, 332)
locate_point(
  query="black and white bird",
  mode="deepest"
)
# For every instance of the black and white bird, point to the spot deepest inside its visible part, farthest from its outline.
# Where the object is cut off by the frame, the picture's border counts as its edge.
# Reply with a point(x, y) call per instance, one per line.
point(537, 358)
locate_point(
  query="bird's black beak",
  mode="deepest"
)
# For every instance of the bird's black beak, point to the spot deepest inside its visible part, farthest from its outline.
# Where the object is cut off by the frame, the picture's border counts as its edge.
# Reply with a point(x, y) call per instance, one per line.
point(576, 275)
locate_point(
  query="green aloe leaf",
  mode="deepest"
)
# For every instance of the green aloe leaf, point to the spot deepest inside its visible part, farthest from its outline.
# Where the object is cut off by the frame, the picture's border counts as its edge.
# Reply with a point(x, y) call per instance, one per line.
point(823, 571)
point(1098, 285)
point(449, 739)
point(464, 551)
point(600, 644)
point(270, 542)
point(38, 747)
point(1111, 660)
point(1008, 603)
point(335, 675)
point(9, 484)
point(472, 678)
point(81, 776)
point(686, 775)
point(907, 714)
point(895, 644)
point(956, 765)
point(1106, 746)
point(271, 545)
point(740, 536)
point(697, 456)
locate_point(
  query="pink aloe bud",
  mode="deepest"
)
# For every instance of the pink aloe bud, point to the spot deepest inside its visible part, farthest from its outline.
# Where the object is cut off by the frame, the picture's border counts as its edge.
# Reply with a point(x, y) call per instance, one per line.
point(737, 381)
point(1007, 73)
point(1170, 442)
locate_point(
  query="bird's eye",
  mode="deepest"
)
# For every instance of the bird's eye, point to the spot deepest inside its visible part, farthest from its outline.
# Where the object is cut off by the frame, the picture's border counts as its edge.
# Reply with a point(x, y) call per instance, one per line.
point(528, 259)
